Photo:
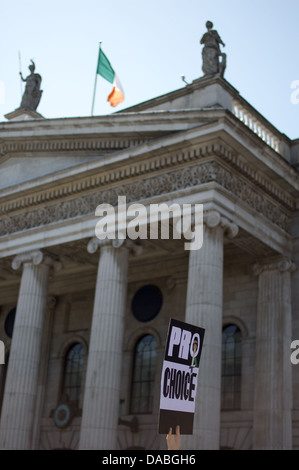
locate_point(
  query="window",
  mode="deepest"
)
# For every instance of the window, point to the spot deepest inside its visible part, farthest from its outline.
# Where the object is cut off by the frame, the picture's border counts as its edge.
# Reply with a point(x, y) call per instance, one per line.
point(147, 303)
point(73, 373)
point(231, 368)
point(143, 375)
point(3, 372)
point(9, 322)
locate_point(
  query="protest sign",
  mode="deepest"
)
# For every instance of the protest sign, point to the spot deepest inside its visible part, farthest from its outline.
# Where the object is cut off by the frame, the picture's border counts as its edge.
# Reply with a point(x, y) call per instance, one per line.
point(179, 377)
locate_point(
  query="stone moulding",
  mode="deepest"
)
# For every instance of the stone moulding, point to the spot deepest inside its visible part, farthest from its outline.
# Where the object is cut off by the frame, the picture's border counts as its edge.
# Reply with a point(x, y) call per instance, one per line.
point(166, 183)
point(62, 145)
point(145, 167)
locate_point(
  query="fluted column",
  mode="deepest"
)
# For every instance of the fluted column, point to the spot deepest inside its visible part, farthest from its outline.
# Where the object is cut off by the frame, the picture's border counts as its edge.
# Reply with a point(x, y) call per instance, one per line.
point(18, 409)
point(204, 309)
point(103, 377)
point(272, 426)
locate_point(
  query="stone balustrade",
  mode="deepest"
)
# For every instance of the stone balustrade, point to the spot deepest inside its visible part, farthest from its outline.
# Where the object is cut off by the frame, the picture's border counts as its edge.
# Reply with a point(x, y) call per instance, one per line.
point(256, 126)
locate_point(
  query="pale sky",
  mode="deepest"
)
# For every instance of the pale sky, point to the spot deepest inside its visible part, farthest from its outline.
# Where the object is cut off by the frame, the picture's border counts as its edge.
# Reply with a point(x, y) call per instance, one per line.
point(150, 44)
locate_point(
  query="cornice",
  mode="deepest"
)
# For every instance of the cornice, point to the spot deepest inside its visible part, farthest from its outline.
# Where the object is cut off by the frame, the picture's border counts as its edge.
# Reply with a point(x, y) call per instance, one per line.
point(125, 125)
point(104, 132)
point(147, 183)
point(65, 144)
point(111, 139)
point(71, 187)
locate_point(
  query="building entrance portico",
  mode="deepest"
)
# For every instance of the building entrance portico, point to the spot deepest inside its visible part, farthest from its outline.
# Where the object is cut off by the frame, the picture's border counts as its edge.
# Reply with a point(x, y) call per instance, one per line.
point(75, 291)
point(83, 334)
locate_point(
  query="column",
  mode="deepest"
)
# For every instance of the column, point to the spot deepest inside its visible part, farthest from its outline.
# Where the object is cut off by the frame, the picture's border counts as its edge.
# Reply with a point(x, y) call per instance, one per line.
point(19, 403)
point(272, 424)
point(103, 376)
point(204, 308)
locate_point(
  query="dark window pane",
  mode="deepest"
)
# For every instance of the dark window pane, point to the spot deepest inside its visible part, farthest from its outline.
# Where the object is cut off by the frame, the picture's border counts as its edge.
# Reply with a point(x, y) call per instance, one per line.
point(143, 375)
point(9, 322)
point(147, 303)
point(231, 368)
point(73, 373)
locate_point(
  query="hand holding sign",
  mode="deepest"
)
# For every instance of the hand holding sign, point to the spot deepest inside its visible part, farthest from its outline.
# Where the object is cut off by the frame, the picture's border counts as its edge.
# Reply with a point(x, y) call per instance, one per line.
point(174, 440)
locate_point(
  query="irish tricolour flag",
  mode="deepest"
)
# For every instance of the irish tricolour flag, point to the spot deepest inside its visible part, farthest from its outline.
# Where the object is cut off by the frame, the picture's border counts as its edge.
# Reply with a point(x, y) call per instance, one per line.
point(106, 71)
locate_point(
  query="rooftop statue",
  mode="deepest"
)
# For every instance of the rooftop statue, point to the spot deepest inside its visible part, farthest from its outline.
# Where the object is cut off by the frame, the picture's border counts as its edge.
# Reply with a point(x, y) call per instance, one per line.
point(32, 93)
point(211, 53)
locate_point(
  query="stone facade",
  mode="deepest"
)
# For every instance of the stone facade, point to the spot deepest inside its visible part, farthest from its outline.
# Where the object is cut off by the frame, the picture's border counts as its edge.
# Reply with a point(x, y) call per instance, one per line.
point(200, 144)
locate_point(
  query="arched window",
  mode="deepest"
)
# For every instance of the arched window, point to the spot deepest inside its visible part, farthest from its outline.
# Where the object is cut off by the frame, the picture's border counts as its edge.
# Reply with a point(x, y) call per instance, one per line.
point(231, 368)
point(73, 373)
point(143, 375)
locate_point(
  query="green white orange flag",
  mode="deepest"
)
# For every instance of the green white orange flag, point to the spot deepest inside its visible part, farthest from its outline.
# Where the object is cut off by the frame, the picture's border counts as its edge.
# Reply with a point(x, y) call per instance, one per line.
point(105, 69)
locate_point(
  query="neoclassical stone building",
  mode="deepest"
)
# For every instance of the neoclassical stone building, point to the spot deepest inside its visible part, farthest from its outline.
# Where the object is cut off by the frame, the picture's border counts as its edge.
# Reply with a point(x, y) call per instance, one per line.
point(84, 323)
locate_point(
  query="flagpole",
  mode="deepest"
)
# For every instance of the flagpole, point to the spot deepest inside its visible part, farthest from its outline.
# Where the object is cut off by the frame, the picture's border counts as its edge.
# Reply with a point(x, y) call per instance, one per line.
point(95, 81)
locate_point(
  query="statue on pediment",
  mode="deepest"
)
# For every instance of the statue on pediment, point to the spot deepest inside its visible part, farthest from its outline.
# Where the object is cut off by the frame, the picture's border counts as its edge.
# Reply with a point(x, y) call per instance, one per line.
point(32, 93)
point(211, 53)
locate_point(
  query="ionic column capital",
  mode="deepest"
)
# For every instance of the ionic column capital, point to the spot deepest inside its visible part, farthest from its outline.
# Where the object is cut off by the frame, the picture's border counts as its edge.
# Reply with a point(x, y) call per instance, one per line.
point(36, 258)
point(94, 244)
point(214, 219)
point(281, 264)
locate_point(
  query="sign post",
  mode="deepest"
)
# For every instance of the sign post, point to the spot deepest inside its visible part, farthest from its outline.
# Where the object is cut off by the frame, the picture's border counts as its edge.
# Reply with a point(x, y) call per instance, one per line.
point(180, 377)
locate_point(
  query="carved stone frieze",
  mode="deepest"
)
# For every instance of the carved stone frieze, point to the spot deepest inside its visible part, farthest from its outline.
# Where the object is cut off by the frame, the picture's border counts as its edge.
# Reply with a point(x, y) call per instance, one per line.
point(162, 184)
point(144, 169)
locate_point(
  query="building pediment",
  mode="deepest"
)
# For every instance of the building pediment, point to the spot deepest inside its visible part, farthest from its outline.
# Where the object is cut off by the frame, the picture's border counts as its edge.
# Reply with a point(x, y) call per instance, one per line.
point(197, 161)
point(57, 171)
